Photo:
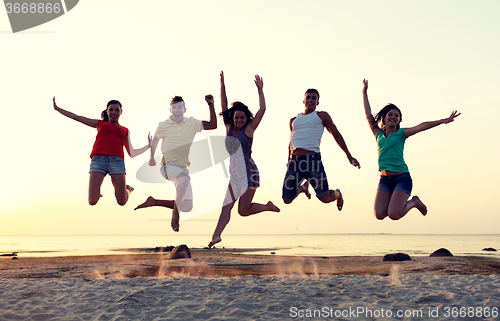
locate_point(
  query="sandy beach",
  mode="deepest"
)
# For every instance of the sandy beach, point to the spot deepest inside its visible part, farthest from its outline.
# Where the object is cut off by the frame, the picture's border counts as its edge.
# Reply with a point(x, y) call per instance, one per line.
point(225, 285)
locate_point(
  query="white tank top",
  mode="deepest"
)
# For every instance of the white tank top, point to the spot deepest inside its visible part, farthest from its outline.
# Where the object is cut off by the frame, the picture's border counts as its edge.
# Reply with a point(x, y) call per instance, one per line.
point(307, 131)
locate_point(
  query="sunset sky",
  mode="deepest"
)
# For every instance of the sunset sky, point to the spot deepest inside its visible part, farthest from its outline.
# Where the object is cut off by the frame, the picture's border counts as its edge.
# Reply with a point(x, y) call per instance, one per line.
point(427, 57)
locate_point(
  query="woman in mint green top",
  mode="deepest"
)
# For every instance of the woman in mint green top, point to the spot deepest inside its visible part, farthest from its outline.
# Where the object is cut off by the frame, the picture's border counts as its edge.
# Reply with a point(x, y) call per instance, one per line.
point(395, 181)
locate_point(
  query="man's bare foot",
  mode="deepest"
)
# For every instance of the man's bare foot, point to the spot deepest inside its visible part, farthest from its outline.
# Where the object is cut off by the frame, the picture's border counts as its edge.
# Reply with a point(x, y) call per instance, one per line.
point(304, 188)
point(129, 188)
point(273, 207)
point(148, 203)
point(340, 199)
point(419, 205)
point(175, 220)
point(215, 240)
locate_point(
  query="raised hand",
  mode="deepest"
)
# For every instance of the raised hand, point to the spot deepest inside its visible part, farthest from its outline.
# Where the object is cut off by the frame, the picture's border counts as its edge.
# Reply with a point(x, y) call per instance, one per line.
point(452, 117)
point(209, 98)
point(365, 86)
point(150, 139)
point(222, 77)
point(54, 102)
point(259, 82)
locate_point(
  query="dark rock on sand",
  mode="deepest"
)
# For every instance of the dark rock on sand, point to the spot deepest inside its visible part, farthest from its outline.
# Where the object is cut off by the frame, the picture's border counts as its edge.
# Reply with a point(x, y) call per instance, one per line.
point(15, 258)
point(180, 252)
point(441, 252)
point(489, 249)
point(397, 257)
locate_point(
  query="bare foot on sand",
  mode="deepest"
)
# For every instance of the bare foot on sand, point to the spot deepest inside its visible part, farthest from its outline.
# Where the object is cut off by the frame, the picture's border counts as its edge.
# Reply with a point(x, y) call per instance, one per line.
point(304, 188)
point(419, 205)
point(273, 207)
point(148, 203)
point(215, 240)
point(340, 199)
point(175, 220)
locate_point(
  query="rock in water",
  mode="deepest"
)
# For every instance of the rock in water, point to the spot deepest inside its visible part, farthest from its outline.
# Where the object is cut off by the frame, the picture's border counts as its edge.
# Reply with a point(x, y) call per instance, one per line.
point(180, 252)
point(441, 252)
point(489, 249)
point(397, 257)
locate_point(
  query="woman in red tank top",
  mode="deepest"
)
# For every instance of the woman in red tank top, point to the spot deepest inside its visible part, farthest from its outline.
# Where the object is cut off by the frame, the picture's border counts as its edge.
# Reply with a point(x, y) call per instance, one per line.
point(107, 153)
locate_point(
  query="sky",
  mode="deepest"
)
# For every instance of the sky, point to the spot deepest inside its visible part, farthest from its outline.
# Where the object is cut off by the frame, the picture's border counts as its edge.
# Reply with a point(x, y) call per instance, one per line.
point(427, 57)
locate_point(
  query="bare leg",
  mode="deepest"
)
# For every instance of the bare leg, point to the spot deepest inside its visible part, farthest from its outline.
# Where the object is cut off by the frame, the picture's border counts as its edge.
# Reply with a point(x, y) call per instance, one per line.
point(224, 218)
point(122, 190)
point(399, 205)
point(225, 215)
point(181, 187)
point(304, 188)
point(151, 201)
point(175, 219)
point(247, 208)
point(381, 206)
point(419, 205)
point(95, 182)
point(334, 195)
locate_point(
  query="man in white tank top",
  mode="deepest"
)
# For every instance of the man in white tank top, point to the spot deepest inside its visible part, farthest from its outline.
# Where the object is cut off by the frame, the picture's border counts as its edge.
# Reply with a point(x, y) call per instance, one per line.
point(304, 153)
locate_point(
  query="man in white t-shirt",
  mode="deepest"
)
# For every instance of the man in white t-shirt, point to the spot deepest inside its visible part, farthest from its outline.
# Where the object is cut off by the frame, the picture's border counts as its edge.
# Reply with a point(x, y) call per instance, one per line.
point(177, 134)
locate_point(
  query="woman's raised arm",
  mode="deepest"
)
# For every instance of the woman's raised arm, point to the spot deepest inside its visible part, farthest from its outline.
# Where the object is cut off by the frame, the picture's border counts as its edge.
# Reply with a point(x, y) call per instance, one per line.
point(223, 96)
point(259, 82)
point(430, 124)
point(81, 119)
point(368, 110)
point(134, 152)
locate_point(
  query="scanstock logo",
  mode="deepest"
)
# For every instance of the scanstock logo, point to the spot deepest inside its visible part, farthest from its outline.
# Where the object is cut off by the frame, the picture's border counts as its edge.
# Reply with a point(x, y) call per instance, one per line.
point(27, 14)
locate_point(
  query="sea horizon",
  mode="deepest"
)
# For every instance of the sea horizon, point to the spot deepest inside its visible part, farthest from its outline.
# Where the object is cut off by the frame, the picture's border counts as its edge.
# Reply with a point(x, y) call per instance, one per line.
point(337, 244)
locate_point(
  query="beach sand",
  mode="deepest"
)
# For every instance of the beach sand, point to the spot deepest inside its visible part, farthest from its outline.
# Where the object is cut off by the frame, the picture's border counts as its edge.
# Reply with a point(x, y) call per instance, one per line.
point(225, 285)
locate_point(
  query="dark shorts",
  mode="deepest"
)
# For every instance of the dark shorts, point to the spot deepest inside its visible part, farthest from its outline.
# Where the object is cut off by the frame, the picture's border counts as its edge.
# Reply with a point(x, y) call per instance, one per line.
point(401, 182)
point(308, 167)
point(107, 164)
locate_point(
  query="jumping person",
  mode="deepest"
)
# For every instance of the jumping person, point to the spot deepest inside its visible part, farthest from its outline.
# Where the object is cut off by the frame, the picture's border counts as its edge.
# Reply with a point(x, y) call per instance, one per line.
point(304, 158)
point(107, 153)
point(244, 175)
point(395, 183)
point(177, 134)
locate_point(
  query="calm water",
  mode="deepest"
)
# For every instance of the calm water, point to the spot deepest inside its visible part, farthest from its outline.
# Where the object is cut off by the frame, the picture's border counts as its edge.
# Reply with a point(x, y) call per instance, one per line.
point(296, 244)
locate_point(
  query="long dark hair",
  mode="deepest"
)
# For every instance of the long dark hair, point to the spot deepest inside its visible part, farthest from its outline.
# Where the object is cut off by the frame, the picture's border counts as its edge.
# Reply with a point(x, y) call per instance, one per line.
point(104, 113)
point(383, 112)
point(228, 115)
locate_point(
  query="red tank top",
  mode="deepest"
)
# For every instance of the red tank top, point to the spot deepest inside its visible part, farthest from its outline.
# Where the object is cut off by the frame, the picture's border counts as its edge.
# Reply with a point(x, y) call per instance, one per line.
point(110, 139)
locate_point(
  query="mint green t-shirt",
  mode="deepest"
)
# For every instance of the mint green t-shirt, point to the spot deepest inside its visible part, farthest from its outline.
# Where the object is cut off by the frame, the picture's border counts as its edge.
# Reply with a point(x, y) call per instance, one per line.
point(390, 151)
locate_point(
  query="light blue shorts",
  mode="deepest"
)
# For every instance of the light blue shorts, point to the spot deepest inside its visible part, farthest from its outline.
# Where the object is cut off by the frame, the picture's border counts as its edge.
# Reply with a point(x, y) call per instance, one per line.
point(107, 164)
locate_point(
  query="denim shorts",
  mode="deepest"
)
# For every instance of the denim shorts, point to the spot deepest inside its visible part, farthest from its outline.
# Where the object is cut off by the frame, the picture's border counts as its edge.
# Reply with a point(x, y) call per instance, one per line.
point(400, 182)
point(107, 164)
point(307, 167)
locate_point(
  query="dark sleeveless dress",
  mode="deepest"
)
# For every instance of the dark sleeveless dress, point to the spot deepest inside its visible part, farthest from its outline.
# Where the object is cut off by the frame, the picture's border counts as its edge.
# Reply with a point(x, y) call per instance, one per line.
point(242, 169)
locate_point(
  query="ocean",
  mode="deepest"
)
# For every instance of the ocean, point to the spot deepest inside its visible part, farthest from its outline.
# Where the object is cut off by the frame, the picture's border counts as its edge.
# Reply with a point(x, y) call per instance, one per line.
point(288, 244)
